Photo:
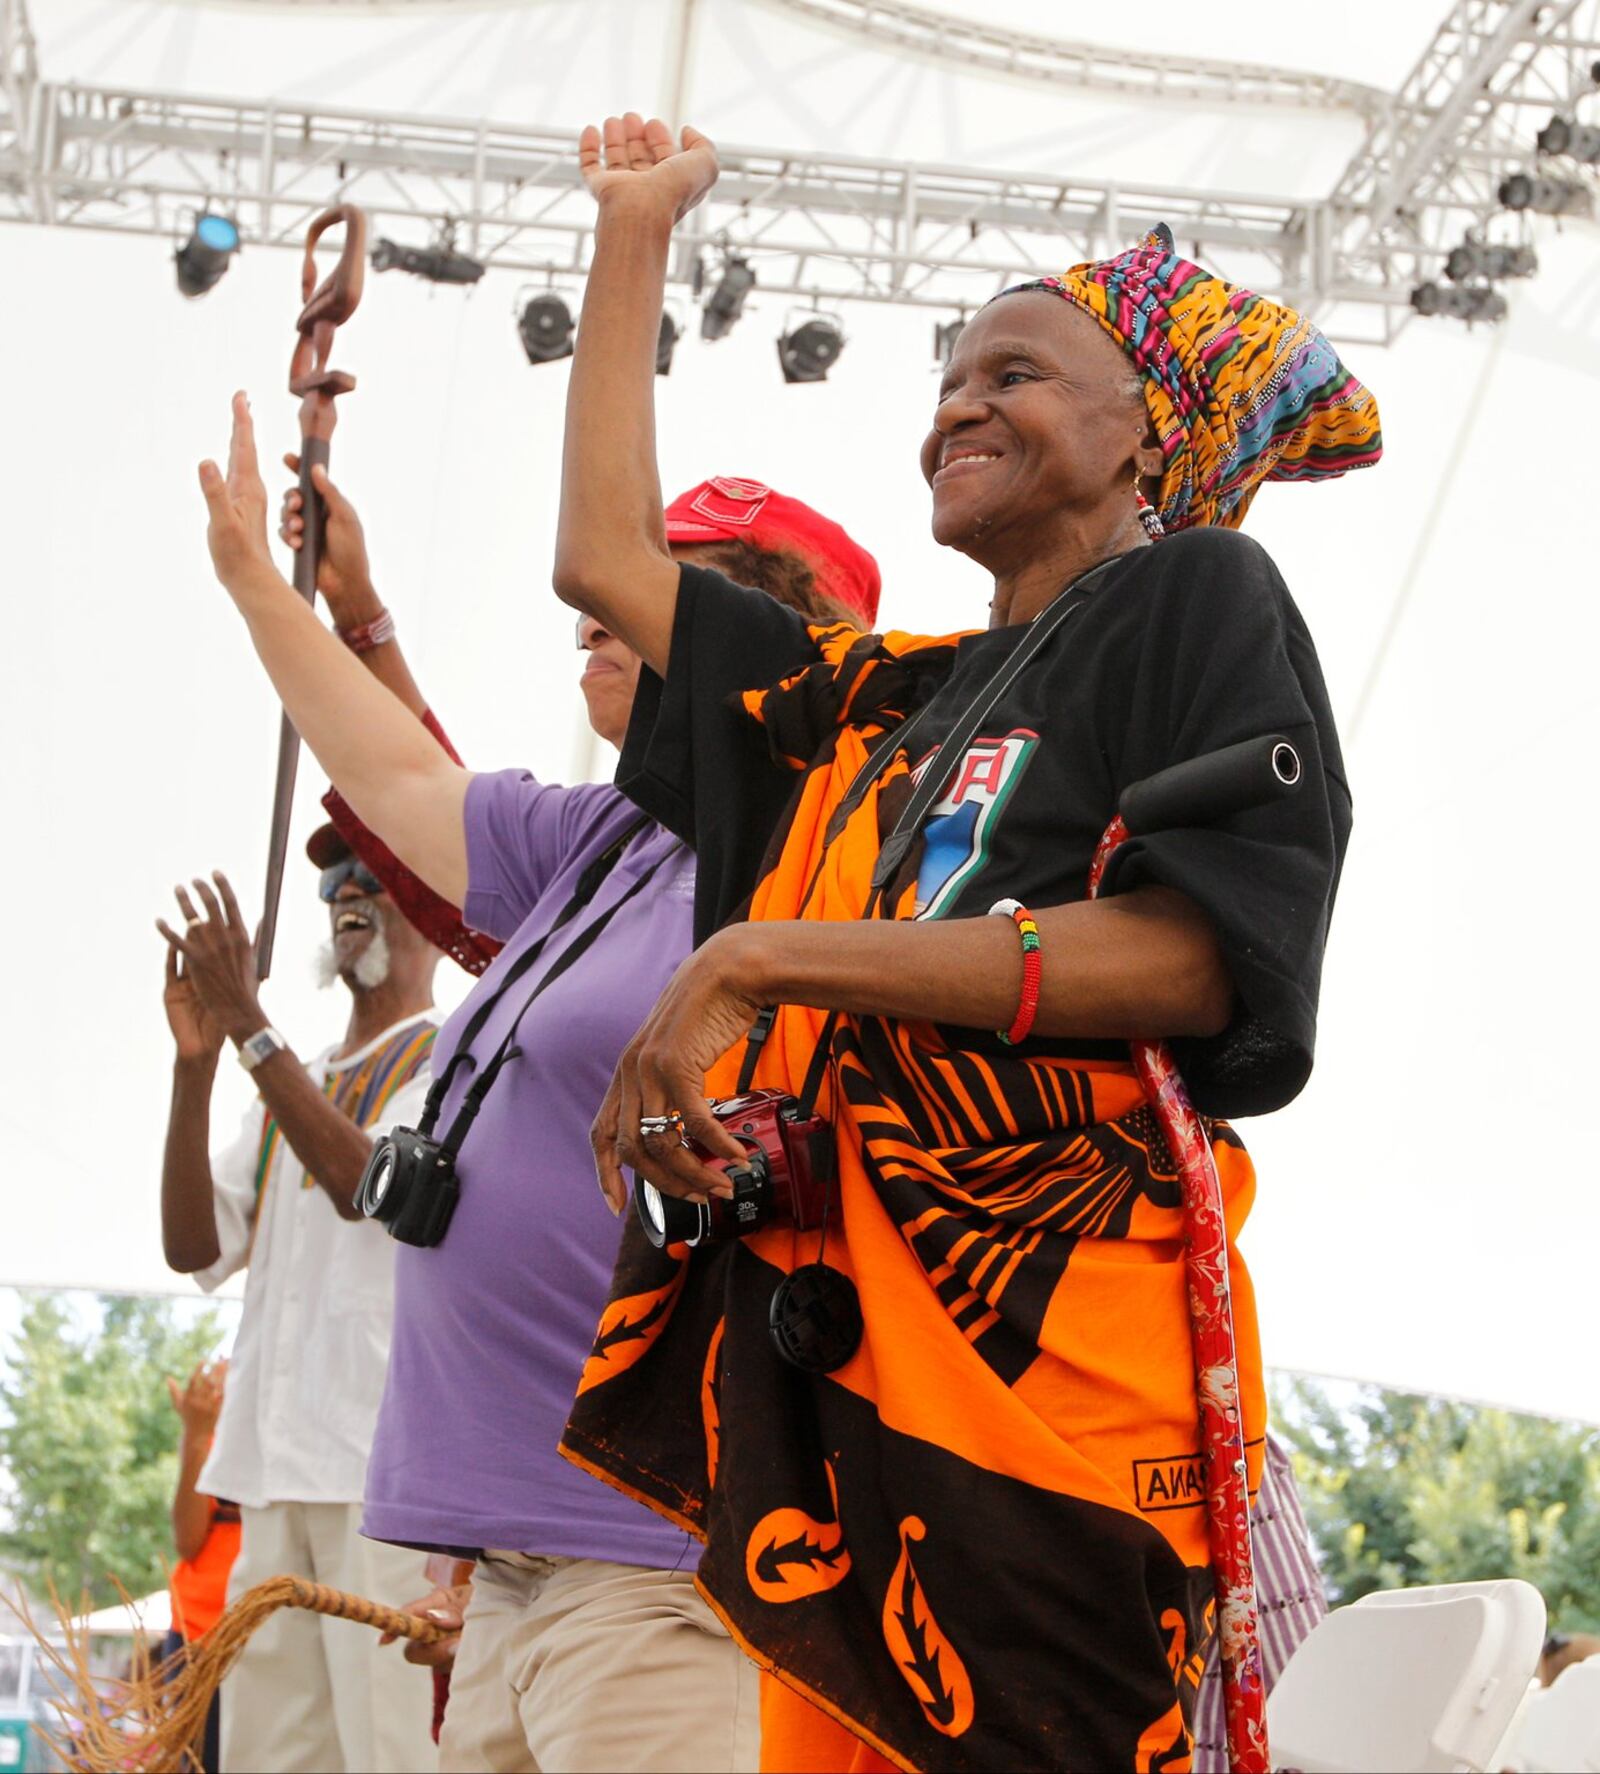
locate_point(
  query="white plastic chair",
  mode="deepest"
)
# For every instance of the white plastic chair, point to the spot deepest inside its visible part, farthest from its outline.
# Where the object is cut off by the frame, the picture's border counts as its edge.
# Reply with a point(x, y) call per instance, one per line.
point(1559, 1731)
point(1410, 1681)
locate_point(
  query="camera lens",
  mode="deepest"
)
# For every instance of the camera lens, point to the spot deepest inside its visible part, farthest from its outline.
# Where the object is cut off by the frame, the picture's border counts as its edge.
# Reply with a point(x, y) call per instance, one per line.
point(667, 1220)
point(375, 1184)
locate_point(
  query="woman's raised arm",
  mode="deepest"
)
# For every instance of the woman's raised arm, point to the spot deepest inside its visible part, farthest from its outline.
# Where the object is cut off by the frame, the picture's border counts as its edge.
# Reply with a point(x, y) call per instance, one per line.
point(611, 545)
point(379, 755)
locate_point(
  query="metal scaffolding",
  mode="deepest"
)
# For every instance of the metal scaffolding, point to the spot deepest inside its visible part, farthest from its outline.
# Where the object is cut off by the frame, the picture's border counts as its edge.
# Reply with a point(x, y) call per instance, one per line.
point(822, 227)
point(973, 47)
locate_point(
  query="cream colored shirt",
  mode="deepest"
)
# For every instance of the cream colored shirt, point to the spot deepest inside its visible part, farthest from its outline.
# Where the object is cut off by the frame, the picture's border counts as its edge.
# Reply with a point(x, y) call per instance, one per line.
point(306, 1375)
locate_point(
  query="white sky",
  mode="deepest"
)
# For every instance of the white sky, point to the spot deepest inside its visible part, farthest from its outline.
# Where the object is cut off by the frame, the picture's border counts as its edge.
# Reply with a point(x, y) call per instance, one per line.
point(1427, 1213)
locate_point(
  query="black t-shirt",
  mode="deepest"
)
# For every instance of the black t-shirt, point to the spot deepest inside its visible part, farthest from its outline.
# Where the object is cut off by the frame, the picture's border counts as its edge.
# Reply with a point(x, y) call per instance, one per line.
point(1179, 649)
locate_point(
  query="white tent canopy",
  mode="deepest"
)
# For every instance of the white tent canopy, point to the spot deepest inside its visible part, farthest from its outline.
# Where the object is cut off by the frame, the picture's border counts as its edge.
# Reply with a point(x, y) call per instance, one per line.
point(1417, 1221)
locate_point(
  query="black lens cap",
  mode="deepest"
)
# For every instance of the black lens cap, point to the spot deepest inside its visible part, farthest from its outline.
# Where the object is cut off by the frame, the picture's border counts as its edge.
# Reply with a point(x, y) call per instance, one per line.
point(816, 1318)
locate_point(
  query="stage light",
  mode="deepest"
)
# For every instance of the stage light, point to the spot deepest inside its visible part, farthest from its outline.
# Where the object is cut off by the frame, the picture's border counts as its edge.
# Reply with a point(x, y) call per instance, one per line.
point(439, 263)
point(726, 302)
point(811, 350)
point(667, 342)
point(1477, 258)
point(1546, 197)
point(1467, 302)
point(545, 328)
point(1578, 141)
point(945, 334)
point(204, 256)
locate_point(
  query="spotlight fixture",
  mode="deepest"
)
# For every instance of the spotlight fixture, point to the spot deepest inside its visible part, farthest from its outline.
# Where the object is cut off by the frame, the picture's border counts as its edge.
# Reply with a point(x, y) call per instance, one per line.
point(667, 341)
point(1467, 302)
point(1546, 197)
point(1578, 141)
point(439, 263)
point(726, 302)
point(811, 349)
point(204, 256)
point(945, 334)
point(545, 328)
point(1477, 258)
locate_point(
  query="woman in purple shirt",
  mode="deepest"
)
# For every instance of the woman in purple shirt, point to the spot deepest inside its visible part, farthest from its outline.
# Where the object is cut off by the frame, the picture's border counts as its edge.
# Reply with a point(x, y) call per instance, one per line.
point(585, 1643)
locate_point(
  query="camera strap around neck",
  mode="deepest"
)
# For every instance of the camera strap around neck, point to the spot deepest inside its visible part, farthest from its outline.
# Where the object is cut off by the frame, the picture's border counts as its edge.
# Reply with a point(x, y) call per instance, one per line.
point(930, 786)
point(588, 885)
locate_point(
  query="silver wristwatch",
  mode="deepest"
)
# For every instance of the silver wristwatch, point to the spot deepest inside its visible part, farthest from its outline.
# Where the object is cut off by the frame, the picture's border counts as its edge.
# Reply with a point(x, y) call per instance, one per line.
point(261, 1046)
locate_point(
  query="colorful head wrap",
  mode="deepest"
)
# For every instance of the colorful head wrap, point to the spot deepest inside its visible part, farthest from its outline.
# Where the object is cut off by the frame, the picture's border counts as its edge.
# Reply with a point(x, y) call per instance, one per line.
point(1240, 390)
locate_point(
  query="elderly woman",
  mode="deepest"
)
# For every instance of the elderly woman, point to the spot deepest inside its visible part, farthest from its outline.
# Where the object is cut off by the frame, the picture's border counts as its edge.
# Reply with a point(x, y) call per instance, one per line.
point(972, 1537)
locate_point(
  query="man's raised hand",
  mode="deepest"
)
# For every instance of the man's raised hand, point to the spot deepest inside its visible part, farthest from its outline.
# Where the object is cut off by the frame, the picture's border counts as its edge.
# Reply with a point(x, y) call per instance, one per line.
point(344, 576)
point(195, 1031)
point(633, 161)
point(237, 503)
point(217, 956)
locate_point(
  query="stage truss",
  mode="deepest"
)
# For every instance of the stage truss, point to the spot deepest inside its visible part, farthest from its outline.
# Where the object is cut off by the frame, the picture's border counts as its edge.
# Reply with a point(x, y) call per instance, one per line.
point(829, 228)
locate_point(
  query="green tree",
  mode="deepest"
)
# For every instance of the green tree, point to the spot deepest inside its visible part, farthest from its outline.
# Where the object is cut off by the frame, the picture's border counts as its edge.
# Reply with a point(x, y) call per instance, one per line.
point(1402, 1490)
point(88, 1442)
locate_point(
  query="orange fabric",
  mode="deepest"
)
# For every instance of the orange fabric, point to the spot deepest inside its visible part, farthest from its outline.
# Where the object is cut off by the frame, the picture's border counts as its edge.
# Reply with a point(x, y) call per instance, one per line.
point(797, 1738)
point(1103, 1401)
point(982, 1540)
point(199, 1585)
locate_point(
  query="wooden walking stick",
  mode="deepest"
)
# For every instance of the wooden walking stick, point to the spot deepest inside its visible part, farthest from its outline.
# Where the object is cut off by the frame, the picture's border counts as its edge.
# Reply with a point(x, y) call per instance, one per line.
point(318, 386)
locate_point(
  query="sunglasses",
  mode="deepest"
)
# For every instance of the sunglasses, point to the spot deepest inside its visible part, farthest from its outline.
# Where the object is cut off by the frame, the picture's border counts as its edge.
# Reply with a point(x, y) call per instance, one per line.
point(351, 868)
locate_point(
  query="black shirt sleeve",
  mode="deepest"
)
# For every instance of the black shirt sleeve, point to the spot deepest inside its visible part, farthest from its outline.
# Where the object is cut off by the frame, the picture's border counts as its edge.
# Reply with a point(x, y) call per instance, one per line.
point(694, 759)
point(1223, 655)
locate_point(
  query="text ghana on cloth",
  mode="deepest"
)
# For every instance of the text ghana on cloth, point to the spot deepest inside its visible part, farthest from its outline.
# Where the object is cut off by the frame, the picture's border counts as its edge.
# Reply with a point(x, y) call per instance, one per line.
point(1239, 389)
point(980, 1543)
point(362, 1092)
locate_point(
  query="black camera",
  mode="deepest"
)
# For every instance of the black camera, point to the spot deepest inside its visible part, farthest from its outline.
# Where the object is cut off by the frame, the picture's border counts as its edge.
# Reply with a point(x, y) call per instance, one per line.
point(788, 1179)
point(410, 1185)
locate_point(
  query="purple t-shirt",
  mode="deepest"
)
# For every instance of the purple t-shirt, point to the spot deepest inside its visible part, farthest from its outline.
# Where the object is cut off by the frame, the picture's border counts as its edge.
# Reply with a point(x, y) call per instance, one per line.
point(492, 1326)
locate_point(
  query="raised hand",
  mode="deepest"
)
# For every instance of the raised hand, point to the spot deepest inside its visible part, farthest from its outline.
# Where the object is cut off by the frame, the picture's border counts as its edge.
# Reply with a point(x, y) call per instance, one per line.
point(195, 1030)
point(632, 161)
point(344, 576)
point(237, 502)
point(218, 958)
point(200, 1402)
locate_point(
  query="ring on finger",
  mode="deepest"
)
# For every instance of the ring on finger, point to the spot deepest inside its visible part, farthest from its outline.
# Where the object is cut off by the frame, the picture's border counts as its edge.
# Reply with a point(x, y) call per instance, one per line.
point(650, 1125)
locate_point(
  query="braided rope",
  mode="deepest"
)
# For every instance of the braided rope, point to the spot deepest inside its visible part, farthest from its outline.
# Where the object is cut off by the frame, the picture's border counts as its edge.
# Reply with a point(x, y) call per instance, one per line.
point(155, 1719)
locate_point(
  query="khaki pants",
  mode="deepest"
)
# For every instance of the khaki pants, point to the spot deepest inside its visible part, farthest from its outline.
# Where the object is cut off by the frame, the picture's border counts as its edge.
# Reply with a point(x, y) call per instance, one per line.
point(312, 1695)
point(575, 1666)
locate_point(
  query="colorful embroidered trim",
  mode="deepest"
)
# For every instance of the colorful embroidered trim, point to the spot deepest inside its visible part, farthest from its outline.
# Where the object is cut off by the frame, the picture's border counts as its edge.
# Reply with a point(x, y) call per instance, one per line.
point(362, 1093)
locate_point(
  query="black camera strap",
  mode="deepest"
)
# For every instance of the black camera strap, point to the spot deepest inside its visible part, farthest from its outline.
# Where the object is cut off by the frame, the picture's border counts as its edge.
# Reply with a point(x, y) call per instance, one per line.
point(588, 885)
point(508, 1050)
point(897, 845)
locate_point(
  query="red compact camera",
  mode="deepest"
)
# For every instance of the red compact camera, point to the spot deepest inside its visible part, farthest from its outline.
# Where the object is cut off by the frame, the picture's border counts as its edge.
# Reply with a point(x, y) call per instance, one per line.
point(788, 1179)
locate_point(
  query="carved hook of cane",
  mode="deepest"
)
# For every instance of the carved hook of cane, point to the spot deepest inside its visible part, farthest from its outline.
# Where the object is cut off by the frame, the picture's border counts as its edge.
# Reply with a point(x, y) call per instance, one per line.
point(333, 302)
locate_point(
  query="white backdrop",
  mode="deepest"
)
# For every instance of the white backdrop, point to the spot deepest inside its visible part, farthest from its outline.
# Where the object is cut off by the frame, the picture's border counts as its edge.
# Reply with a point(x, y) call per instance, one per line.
point(1428, 1214)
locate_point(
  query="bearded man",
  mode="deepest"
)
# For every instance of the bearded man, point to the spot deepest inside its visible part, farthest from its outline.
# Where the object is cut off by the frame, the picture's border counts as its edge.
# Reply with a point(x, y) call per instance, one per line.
point(308, 1365)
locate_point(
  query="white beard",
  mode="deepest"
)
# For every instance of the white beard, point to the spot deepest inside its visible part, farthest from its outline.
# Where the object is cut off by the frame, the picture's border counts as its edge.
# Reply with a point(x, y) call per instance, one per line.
point(372, 966)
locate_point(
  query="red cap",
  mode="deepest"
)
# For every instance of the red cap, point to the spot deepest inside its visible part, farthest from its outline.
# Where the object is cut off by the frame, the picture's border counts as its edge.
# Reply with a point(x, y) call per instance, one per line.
point(327, 845)
point(724, 509)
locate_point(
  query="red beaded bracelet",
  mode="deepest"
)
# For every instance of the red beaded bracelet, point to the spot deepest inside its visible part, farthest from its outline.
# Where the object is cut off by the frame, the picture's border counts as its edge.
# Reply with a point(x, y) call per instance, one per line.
point(367, 635)
point(1032, 968)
